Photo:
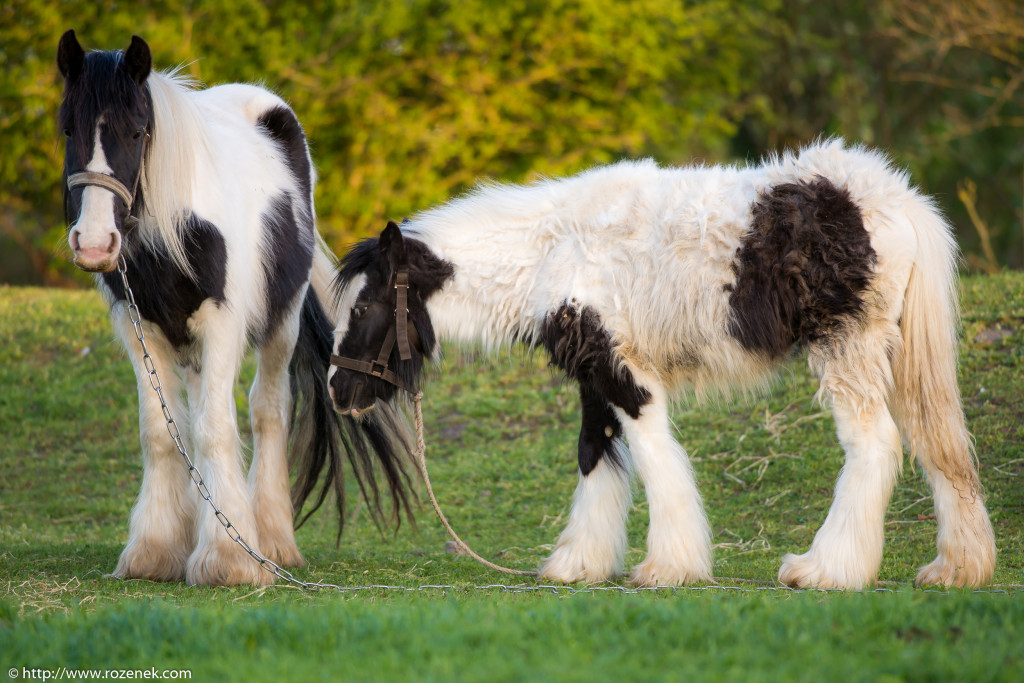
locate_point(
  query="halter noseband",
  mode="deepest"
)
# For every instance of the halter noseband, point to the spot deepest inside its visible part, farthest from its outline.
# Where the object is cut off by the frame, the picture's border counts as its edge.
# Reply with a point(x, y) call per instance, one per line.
point(109, 182)
point(398, 332)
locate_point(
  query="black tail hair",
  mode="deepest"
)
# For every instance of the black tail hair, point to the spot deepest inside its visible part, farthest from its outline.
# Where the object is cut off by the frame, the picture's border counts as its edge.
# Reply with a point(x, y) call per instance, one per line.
point(320, 435)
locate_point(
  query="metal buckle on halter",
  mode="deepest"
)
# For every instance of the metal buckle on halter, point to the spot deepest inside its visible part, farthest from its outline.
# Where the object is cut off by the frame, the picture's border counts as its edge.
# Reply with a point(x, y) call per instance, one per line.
point(375, 372)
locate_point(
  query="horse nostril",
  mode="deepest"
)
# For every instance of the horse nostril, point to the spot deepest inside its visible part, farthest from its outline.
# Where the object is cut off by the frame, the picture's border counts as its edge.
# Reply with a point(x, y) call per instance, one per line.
point(112, 247)
point(74, 241)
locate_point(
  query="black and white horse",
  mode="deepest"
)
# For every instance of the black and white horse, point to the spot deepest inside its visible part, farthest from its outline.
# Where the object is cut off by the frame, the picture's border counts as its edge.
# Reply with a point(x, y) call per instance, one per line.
point(644, 283)
point(208, 196)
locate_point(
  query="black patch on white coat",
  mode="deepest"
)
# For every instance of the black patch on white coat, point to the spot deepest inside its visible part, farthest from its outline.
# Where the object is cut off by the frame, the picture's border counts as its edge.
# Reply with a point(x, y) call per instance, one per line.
point(580, 346)
point(284, 128)
point(802, 271)
point(288, 255)
point(165, 295)
point(287, 260)
point(599, 429)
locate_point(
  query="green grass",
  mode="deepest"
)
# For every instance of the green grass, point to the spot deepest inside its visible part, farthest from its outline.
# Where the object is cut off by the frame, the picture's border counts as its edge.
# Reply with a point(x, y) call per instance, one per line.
point(582, 638)
point(501, 434)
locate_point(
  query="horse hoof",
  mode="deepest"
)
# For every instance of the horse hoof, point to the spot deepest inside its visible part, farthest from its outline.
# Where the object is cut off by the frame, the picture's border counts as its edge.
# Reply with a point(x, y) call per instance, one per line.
point(225, 564)
point(560, 570)
point(283, 554)
point(649, 574)
point(151, 560)
point(806, 571)
point(942, 572)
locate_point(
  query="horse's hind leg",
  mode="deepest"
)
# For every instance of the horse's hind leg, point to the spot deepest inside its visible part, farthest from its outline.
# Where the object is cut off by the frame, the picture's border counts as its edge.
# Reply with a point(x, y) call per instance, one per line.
point(966, 544)
point(592, 545)
point(160, 528)
point(218, 560)
point(847, 550)
point(679, 538)
point(270, 404)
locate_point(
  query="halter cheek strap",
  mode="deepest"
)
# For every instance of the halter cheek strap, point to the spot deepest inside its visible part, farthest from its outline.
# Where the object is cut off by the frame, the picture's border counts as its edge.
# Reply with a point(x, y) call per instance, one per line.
point(399, 332)
point(402, 313)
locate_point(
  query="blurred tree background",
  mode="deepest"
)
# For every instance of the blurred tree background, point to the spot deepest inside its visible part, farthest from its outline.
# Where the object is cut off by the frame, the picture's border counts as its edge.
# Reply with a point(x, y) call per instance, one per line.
point(406, 103)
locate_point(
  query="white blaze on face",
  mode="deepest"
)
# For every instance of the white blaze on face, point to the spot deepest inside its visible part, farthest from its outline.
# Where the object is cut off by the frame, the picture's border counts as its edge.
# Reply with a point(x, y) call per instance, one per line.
point(94, 237)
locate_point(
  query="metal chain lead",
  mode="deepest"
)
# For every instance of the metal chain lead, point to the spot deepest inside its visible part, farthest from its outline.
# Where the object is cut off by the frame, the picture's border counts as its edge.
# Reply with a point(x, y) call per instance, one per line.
point(193, 471)
point(197, 478)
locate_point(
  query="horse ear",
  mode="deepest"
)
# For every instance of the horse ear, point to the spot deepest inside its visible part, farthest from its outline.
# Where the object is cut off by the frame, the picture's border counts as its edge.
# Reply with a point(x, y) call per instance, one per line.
point(137, 60)
point(70, 56)
point(392, 245)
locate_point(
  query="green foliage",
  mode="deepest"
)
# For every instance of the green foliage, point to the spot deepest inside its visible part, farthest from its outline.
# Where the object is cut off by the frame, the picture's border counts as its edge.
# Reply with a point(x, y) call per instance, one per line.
point(936, 84)
point(404, 103)
point(415, 101)
point(408, 103)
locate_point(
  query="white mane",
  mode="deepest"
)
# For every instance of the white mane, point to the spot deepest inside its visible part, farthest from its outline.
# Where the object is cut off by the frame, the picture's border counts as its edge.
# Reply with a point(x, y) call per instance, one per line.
point(178, 138)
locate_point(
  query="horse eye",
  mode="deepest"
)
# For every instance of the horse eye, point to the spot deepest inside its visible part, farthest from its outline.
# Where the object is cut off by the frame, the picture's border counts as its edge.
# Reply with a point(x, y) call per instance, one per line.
point(358, 311)
point(67, 132)
point(138, 134)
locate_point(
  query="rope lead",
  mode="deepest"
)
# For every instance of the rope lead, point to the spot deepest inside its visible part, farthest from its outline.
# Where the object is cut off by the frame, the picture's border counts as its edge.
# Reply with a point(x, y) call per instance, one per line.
point(421, 462)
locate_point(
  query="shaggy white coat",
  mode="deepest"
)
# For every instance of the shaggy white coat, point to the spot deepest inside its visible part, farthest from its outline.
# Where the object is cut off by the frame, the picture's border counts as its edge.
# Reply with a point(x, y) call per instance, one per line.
point(210, 159)
point(653, 250)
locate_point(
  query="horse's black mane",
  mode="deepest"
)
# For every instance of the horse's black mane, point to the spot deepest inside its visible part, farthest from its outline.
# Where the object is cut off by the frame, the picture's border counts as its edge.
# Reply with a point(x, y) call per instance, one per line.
point(88, 96)
point(358, 260)
point(427, 271)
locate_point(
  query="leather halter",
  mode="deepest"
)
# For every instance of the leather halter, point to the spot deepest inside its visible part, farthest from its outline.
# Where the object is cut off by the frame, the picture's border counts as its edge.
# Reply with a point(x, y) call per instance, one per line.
point(109, 182)
point(398, 332)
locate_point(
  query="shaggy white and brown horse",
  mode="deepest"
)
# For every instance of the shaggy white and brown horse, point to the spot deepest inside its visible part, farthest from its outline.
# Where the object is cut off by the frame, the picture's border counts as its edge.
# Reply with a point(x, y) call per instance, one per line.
point(207, 195)
point(646, 283)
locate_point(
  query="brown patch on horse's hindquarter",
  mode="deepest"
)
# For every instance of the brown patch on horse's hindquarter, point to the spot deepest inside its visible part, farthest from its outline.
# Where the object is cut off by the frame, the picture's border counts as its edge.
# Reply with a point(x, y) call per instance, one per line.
point(803, 269)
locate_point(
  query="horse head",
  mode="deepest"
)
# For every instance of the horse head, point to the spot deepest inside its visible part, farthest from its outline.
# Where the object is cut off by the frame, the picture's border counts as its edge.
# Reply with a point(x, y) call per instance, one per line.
point(106, 117)
point(385, 332)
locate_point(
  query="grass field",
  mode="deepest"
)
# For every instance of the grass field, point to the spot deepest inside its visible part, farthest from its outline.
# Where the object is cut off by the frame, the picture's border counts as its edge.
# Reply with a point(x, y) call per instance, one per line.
point(501, 435)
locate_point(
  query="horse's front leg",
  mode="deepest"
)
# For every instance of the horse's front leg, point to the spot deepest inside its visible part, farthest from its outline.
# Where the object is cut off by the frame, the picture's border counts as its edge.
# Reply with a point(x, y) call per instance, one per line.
point(679, 538)
point(270, 405)
point(217, 559)
point(592, 545)
point(160, 534)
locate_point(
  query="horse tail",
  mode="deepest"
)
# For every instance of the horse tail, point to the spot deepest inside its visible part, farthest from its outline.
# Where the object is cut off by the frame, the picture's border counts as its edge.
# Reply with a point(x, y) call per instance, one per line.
point(927, 404)
point(322, 439)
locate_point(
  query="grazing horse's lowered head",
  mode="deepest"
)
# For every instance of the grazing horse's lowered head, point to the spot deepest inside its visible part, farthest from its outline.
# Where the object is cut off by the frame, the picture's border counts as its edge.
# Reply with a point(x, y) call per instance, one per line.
point(381, 347)
point(107, 119)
